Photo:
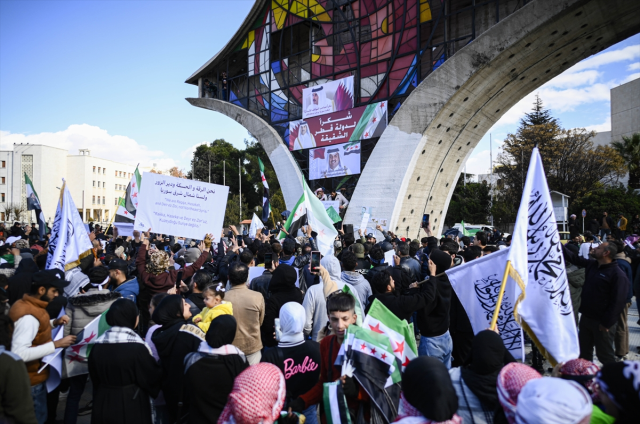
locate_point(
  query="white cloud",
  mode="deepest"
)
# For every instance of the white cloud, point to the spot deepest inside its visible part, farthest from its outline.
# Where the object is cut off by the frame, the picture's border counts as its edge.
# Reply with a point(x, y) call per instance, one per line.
point(630, 78)
point(479, 163)
point(187, 154)
point(103, 145)
point(574, 79)
point(605, 126)
point(606, 58)
point(634, 67)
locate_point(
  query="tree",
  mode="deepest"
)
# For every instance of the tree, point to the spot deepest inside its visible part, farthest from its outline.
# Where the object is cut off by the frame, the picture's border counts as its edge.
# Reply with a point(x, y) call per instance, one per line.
point(155, 171)
point(572, 164)
point(176, 172)
point(232, 212)
point(629, 149)
point(614, 200)
point(470, 203)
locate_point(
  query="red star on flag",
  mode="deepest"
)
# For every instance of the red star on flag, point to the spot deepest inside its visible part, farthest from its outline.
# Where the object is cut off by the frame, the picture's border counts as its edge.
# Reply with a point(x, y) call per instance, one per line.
point(88, 339)
point(374, 119)
point(126, 212)
point(366, 134)
point(383, 356)
point(75, 358)
point(382, 105)
point(373, 351)
point(376, 329)
point(133, 185)
point(134, 195)
point(399, 348)
point(321, 232)
point(76, 348)
point(406, 362)
point(363, 346)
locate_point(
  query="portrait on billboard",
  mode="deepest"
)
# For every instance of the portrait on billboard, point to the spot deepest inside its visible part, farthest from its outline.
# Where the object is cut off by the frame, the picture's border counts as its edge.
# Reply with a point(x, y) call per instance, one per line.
point(327, 98)
point(334, 161)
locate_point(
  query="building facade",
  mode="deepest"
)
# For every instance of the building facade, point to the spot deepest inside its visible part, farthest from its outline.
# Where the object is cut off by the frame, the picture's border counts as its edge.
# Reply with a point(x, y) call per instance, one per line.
point(94, 183)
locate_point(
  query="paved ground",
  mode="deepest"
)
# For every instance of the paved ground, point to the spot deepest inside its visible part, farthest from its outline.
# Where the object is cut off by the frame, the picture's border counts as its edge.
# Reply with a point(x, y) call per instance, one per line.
point(634, 343)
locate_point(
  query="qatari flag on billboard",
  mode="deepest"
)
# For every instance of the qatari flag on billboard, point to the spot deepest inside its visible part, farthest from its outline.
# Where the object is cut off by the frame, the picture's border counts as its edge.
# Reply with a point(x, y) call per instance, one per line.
point(356, 124)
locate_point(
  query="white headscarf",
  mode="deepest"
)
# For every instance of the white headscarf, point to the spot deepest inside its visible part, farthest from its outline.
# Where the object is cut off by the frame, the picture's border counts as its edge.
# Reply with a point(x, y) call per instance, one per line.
point(292, 318)
point(552, 400)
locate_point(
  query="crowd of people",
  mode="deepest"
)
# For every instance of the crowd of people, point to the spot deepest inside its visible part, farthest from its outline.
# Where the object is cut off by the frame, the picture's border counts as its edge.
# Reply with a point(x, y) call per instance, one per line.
point(196, 335)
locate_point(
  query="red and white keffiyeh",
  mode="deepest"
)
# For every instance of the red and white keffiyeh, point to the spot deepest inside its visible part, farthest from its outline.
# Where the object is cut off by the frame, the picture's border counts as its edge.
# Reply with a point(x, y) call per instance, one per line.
point(257, 397)
point(511, 380)
point(407, 414)
point(581, 367)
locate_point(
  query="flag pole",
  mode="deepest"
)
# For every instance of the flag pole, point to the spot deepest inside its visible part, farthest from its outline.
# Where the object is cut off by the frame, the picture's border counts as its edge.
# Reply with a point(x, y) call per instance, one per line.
point(112, 218)
point(494, 320)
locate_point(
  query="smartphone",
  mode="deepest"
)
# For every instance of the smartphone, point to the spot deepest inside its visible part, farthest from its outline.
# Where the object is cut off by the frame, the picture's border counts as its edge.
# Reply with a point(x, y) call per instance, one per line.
point(268, 260)
point(278, 329)
point(315, 261)
point(153, 246)
point(178, 280)
point(425, 221)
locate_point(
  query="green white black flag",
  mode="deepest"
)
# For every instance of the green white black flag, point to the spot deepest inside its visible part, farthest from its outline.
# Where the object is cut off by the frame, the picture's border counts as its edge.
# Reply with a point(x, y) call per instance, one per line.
point(33, 204)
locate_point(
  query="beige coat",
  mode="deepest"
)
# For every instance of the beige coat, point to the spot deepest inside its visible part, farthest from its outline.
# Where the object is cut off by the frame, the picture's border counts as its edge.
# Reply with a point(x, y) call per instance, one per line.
point(248, 310)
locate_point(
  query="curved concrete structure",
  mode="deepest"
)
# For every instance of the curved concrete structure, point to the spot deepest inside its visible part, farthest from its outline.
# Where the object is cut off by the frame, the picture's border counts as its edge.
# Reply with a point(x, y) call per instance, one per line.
point(417, 161)
point(288, 172)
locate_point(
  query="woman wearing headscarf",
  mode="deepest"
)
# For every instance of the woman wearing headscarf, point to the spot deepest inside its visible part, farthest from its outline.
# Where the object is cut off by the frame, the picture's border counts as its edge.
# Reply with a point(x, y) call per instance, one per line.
point(123, 371)
point(156, 275)
point(258, 396)
point(211, 371)
point(424, 403)
point(551, 400)
point(174, 340)
point(618, 389)
point(297, 358)
point(511, 380)
point(282, 289)
point(475, 385)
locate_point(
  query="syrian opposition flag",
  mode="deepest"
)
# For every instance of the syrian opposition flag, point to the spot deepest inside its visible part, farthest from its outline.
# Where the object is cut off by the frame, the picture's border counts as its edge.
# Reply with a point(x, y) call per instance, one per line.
point(335, 404)
point(122, 214)
point(477, 285)
point(131, 196)
point(536, 263)
point(266, 208)
point(310, 210)
point(350, 148)
point(381, 320)
point(370, 360)
point(69, 241)
point(372, 116)
point(335, 216)
point(33, 204)
point(76, 357)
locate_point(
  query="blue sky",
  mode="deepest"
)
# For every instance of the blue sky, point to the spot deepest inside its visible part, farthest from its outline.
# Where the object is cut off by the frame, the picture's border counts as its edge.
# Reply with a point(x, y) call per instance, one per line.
point(109, 76)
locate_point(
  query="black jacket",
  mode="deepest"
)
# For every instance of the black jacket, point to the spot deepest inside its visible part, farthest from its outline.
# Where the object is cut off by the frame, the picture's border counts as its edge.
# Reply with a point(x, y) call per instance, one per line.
point(433, 319)
point(404, 305)
point(375, 271)
point(363, 266)
point(604, 294)
point(413, 266)
point(261, 284)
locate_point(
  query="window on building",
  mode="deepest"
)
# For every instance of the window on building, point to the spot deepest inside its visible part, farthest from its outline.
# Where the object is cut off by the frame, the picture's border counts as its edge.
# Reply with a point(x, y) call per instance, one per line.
point(94, 169)
point(99, 168)
point(94, 183)
point(116, 201)
point(116, 173)
point(104, 171)
point(2, 198)
point(94, 200)
point(104, 202)
point(2, 216)
point(4, 163)
point(4, 181)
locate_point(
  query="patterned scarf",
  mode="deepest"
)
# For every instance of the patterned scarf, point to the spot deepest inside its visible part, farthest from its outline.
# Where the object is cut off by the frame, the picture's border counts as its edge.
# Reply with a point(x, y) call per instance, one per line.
point(576, 368)
point(511, 380)
point(158, 263)
point(257, 397)
point(407, 414)
point(121, 335)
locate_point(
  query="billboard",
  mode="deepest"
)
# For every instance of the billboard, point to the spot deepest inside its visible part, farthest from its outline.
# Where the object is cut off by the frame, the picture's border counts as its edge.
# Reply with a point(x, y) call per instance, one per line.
point(334, 161)
point(326, 98)
point(356, 124)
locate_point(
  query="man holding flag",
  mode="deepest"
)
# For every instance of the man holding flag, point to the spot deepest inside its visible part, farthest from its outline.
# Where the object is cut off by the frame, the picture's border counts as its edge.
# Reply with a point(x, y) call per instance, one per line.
point(266, 208)
point(33, 204)
point(32, 339)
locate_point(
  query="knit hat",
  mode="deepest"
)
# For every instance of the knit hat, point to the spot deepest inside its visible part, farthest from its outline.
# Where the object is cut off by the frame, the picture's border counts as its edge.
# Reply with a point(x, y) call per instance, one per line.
point(258, 396)
point(358, 249)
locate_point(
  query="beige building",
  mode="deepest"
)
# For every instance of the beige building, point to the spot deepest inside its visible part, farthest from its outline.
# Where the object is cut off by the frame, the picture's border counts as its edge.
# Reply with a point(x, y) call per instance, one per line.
point(94, 183)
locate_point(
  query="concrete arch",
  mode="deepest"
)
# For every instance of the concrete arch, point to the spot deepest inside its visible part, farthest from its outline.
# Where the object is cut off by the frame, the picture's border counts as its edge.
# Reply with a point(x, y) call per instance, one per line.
point(287, 171)
point(415, 164)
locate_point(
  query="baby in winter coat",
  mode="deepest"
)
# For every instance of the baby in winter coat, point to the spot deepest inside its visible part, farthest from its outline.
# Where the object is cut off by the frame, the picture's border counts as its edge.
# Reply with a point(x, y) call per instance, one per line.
point(215, 306)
